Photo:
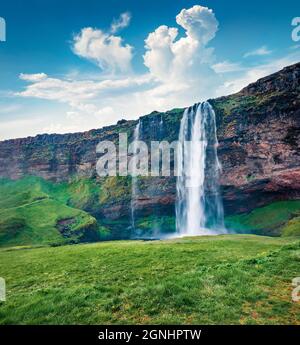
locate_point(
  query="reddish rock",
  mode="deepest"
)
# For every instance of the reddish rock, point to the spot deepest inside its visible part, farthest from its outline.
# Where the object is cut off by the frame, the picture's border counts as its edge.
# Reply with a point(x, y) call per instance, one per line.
point(259, 138)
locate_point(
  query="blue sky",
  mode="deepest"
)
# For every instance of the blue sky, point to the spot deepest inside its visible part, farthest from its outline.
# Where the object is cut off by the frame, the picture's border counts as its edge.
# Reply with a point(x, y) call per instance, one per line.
point(71, 66)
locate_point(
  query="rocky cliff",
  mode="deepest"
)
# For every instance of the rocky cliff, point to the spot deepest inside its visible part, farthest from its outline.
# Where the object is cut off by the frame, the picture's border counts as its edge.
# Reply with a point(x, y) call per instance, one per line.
point(259, 137)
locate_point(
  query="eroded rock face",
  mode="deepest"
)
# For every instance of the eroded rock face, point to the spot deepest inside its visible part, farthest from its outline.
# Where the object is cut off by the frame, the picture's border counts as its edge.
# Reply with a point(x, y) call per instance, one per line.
point(259, 134)
point(55, 157)
point(259, 137)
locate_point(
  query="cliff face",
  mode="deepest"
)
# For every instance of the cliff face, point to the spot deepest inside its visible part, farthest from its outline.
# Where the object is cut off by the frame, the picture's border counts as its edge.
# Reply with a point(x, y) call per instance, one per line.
point(259, 131)
point(259, 136)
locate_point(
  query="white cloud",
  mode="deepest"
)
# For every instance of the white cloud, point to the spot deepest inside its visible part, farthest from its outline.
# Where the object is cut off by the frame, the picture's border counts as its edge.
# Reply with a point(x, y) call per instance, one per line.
point(183, 65)
point(84, 95)
point(252, 74)
point(122, 22)
point(182, 70)
point(69, 91)
point(258, 52)
point(170, 58)
point(93, 104)
point(227, 67)
point(199, 22)
point(179, 74)
point(106, 50)
point(18, 128)
point(33, 77)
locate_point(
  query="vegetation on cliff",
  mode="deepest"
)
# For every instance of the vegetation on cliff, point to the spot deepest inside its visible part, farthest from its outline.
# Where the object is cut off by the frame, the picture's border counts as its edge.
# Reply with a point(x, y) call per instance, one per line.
point(259, 139)
point(34, 211)
point(278, 218)
point(37, 212)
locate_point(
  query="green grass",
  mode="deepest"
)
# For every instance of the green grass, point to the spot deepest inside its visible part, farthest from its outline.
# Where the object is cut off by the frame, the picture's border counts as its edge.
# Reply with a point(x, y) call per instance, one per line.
point(37, 212)
point(292, 228)
point(39, 224)
point(78, 193)
point(269, 220)
point(232, 279)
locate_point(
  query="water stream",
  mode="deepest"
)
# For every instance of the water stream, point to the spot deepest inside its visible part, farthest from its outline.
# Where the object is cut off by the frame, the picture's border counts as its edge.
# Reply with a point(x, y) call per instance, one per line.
point(134, 181)
point(199, 208)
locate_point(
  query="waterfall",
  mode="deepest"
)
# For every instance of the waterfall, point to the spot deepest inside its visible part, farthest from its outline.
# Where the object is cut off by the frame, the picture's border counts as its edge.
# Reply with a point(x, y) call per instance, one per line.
point(134, 182)
point(161, 128)
point(154, 129)
point(199, 209)
point(156, 226)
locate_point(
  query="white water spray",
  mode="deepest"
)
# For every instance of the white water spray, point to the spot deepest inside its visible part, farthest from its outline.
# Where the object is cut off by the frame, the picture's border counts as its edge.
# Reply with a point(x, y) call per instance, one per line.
point(199, 209)
point(134, 182)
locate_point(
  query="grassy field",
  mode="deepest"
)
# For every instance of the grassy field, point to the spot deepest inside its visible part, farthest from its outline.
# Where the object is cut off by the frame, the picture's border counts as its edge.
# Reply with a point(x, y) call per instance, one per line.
point(232, 279)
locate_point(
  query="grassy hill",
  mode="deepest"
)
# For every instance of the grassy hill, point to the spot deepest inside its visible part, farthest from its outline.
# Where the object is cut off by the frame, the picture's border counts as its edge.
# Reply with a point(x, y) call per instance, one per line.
point(278, 218)
point(232, 279)
point(34, 211)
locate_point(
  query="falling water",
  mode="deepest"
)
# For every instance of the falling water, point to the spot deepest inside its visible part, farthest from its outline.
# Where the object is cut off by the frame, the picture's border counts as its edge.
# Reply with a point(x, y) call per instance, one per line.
point(155, 129)
point(161, 128)
point(199, 209)
point(134, 182)
point(156, 226)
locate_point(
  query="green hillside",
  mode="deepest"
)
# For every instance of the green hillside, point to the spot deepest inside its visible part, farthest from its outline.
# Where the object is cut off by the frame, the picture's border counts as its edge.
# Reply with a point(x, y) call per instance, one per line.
point(232, 279)
point(278, 218)
point(35, 212)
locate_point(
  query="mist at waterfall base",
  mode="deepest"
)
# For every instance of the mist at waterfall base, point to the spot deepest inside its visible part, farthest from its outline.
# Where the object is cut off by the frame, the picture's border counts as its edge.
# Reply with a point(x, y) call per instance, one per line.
point(199, 207)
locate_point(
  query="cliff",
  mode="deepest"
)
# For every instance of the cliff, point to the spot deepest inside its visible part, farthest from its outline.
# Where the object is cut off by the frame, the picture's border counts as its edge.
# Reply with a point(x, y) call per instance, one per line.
point(259, 136)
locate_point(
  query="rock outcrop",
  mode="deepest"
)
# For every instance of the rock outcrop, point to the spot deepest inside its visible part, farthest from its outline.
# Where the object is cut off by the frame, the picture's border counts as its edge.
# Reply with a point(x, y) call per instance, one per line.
point(259, 138)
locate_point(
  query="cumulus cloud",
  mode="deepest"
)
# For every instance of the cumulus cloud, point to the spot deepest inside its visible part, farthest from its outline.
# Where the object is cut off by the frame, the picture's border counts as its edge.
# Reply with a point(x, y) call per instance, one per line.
point(258, 52)
point(105, 49)
point(183, 63)
point(160, 54)
point(181, 70)
point(122, 22)
point(199, 22)
point(169, 57)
